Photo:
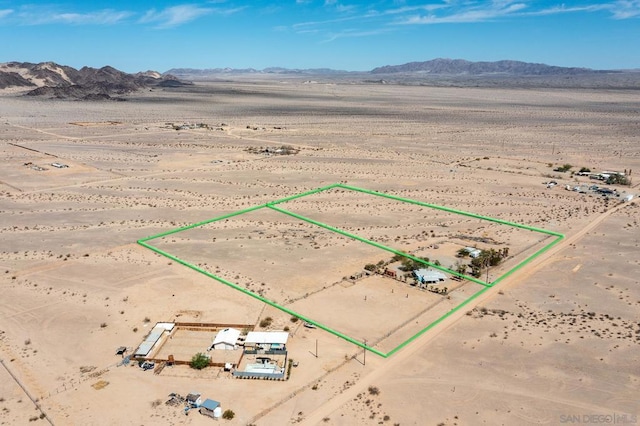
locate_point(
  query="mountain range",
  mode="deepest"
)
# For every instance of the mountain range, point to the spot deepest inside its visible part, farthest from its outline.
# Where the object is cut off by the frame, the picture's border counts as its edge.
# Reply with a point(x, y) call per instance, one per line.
point(440, 66)
point(460, 66)
point(59, 81)
point(51, 80)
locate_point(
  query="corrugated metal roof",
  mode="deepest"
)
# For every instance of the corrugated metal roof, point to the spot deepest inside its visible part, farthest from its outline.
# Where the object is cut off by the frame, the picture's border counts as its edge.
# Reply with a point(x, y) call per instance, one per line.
point(144, 348)
point(210, 404)
point(153, 337)
point(429, 275)
point(272, 337)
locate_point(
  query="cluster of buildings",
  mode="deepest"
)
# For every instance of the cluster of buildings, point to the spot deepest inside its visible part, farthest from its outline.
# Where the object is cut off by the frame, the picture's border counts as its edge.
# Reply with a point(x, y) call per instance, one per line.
point(605, 175)
point(208, 407)
point(264, 352)
point(254, 354)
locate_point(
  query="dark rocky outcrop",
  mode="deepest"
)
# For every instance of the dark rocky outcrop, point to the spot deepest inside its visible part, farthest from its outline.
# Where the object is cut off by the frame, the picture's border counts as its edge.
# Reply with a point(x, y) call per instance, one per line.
point(63, 82)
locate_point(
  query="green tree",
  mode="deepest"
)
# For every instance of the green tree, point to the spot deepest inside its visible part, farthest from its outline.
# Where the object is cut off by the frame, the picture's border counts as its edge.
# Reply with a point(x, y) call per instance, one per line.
point(412, 265)
point(199, 361)
point(462, 252)
point(618, 180)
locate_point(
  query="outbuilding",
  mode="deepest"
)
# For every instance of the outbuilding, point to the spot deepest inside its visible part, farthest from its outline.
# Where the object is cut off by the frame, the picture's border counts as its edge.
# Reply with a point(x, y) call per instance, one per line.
point(211, 408)
point(194, 399)
point(473, 252)
point(226, 339)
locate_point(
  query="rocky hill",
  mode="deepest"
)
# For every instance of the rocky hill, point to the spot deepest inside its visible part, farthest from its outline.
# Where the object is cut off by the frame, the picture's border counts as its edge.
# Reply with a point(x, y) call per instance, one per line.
point(58, 81)
point(462, 67)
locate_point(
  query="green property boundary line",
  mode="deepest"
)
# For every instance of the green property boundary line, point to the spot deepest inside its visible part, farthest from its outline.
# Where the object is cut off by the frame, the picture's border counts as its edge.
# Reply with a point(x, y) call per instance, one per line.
point(272, 206)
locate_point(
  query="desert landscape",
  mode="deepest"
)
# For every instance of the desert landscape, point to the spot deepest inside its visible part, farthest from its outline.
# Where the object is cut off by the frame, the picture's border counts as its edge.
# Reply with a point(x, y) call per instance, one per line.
point(554, 341)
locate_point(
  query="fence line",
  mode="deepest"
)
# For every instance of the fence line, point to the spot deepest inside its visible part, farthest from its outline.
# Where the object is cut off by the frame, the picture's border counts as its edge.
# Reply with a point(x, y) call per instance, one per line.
point(24, 389)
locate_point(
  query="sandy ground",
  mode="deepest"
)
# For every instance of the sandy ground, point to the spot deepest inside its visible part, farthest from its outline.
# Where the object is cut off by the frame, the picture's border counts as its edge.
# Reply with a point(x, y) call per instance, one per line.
point(558, 338)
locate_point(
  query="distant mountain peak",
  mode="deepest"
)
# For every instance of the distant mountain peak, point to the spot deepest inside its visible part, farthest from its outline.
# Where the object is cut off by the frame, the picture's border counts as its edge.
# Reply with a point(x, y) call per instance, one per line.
point(446, 66)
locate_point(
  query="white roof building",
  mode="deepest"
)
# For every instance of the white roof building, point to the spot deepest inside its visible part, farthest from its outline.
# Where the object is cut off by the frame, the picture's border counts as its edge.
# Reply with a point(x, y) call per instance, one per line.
point(226, 339)
point(273, 338)
point(473, 252)
point(153, 338)
point(429, 276)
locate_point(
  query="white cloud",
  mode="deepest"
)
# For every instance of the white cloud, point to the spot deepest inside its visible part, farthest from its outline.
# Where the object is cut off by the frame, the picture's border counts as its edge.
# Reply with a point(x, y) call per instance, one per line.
point(350, 33)
point(467, 14)
point(625, 9)
point(344, 8)
point(102, 17)
point(46, 15)
point(175, 15)
point(182, 14)
point(5, 12)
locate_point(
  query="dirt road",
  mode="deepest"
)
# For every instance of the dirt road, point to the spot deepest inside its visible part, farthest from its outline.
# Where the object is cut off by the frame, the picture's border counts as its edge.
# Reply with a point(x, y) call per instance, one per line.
point(396, 361)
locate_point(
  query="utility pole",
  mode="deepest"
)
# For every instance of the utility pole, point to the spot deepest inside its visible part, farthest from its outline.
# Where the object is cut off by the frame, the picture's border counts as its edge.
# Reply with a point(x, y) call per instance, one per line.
point(364, 362)
point(316, 348)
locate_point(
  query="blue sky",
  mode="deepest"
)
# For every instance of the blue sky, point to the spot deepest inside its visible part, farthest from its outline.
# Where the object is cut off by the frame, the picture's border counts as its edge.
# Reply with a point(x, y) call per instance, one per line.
point(340, 34)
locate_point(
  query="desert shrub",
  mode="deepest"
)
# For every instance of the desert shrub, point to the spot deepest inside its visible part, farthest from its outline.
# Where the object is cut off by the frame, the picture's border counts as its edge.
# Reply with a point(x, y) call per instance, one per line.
point(228, 414)
point(373, 390)
point(563, 168)
point(266, 322)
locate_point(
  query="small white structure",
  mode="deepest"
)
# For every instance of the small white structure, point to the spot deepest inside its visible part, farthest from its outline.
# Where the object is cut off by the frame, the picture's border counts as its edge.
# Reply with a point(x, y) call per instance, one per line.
point(267, 340)
point(226, 339)
point(628, 198)
point(211, 408)
point(194, 399)
point(473, 252)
